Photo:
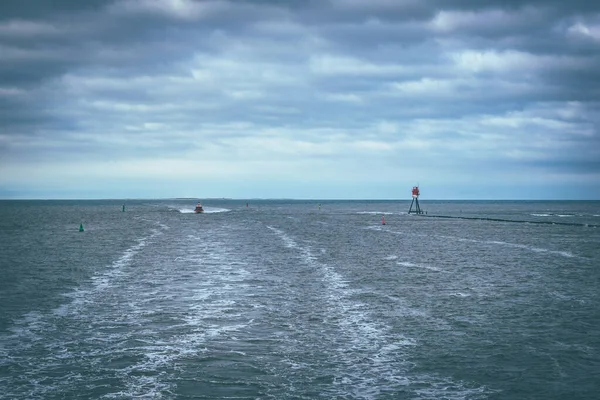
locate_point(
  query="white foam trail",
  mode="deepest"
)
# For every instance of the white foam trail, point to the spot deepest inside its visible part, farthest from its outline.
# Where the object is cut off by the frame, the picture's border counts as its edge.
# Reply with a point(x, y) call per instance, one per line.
point(412, 265)
point(495, 242)
point(517, 245)
point(207, 210)
point(362, 331)
point(552, 215)
point(286, 239)
point(459, 294)
point(57, 335)
point(530, 248)
point(211, 210)
point(200, 299)
point(406, 264)
point(180, 209)
point(377, 353)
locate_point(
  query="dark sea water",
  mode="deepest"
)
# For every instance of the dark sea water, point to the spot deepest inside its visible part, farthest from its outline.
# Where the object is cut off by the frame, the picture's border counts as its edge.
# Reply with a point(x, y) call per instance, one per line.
point(286, 300)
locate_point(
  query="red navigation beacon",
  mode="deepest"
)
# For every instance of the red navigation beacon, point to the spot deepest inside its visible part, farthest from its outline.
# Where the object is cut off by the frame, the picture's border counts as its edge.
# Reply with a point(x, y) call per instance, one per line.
point(415, 201)
point(415, 191)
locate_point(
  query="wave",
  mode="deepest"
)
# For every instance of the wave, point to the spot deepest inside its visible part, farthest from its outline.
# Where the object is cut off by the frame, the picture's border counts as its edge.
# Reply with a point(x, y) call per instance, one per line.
point(534, 249)
point(544, 222)
point(413, 265)
point(530, 248)
point(551, 215)
point(515, 245)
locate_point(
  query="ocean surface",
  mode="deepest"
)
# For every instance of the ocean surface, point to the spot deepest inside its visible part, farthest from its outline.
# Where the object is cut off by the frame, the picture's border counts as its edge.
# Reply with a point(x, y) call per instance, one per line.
point(285, 299)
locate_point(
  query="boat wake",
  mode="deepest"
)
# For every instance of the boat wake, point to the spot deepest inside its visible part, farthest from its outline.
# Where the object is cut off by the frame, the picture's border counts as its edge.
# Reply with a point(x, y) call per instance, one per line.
point(55, 337)
point(207, 210)
point(212, 210)
point(366, 352)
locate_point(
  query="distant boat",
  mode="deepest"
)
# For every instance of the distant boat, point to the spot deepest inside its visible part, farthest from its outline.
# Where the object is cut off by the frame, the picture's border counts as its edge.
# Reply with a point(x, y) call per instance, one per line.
point(198, 209)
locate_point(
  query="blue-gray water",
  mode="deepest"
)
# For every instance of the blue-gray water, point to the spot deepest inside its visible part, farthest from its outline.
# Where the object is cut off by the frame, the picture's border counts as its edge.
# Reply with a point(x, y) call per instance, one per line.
point(286, 300)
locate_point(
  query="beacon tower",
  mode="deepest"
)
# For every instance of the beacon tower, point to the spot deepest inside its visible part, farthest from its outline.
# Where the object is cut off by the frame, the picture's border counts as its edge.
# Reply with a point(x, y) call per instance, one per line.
point(415, 202)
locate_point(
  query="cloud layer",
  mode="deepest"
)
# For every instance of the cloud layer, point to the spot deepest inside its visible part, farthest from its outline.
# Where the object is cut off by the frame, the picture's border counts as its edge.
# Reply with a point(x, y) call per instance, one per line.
point(305, 99)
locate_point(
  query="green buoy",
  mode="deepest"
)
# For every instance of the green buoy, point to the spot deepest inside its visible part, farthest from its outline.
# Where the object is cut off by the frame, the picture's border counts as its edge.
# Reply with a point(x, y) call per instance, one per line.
point(81, 227)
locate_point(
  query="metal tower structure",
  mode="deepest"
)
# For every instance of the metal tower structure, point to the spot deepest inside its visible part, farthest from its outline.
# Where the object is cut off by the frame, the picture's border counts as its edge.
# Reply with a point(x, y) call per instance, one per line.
point(415, 201)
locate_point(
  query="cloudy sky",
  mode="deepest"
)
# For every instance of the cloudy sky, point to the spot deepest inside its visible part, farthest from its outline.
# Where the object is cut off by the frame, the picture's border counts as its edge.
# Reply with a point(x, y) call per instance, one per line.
point(357, 99)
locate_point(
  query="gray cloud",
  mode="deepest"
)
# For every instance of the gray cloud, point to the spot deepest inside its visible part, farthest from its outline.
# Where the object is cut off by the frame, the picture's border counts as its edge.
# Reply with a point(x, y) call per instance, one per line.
point(377, 87)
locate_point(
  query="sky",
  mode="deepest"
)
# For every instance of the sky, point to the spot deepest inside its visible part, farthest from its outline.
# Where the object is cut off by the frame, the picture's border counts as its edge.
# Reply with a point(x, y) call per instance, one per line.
point(313, 99)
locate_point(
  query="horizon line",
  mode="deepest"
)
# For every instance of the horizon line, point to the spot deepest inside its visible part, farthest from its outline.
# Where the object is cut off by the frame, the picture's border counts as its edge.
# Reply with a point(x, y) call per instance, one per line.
point(275, 198)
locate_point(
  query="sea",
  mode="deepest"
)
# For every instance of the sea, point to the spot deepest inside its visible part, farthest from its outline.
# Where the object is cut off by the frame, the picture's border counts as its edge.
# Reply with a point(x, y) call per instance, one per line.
point(298, 299)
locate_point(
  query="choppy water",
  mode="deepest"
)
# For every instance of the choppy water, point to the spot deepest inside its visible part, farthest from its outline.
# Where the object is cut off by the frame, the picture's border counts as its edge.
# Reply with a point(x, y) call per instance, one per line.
point(286, 300)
